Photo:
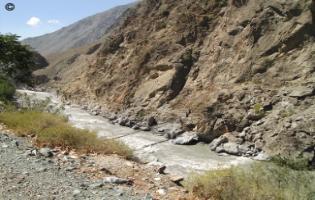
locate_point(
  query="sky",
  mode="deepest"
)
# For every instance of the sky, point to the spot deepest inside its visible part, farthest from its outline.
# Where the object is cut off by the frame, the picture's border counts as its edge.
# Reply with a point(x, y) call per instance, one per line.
point(37, 17)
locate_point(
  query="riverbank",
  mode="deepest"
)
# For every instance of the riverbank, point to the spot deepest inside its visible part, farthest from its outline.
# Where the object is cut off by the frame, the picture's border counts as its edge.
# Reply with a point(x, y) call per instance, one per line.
point(31, 173)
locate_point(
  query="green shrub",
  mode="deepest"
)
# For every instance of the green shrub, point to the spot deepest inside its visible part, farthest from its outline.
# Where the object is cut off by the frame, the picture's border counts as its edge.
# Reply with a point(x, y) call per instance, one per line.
point(7, 90)
point(287, 113)
point(293, 163)
point(55, 131)
point(258, 108)
point(259, 181)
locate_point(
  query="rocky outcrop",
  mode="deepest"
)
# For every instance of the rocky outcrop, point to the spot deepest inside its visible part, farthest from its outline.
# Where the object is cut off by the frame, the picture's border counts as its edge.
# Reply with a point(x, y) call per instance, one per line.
point(240, 67)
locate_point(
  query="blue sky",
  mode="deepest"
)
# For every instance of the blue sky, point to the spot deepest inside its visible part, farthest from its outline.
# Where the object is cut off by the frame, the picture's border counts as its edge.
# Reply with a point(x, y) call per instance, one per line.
point(37, 17)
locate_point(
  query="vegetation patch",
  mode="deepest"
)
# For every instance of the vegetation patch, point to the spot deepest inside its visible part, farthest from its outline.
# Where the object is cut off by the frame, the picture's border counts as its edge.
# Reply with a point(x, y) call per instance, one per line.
point(287, 113)
point(54, 131)
point(7, 90)
point(263, 181)
point(298, 163)
point(16, 60)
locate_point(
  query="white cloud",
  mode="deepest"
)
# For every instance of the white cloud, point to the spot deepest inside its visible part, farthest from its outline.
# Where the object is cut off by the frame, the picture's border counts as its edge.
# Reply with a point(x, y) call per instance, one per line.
point(33, 21)
point(53, 21)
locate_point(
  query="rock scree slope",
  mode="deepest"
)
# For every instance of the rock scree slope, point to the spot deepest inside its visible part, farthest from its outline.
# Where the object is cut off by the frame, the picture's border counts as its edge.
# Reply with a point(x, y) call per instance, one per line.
point(239, 73)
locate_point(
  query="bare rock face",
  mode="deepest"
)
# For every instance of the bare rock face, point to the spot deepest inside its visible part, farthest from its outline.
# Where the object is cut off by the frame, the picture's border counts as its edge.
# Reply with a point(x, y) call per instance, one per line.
point(240, 66)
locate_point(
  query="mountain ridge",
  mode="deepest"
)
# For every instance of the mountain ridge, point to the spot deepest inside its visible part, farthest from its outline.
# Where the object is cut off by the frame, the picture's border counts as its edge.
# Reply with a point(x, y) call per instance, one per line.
point(80, 33)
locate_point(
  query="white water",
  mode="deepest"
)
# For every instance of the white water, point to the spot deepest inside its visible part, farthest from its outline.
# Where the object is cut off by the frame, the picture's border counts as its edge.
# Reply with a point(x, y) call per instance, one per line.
point(179, 160)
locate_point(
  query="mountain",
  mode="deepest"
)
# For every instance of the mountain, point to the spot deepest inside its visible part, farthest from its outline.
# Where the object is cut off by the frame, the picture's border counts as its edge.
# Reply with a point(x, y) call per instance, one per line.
point(239, 73)
point(83, 32)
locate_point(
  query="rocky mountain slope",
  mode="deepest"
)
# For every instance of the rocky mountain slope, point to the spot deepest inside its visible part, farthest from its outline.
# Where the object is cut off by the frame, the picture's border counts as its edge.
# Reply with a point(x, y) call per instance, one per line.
point(239, 71)
point(83, 32)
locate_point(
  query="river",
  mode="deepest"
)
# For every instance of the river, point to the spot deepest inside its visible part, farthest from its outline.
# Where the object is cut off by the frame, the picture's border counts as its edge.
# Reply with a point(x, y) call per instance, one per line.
point(148, 147)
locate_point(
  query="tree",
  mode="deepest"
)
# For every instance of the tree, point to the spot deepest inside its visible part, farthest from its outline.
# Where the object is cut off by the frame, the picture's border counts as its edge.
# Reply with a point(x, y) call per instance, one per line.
point(16, 60)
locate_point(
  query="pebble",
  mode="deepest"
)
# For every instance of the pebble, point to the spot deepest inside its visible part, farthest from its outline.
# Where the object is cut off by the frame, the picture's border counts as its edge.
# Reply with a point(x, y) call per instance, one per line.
point(157, 179)
point(145, 128)
point(42, 169)
point(76, 192)
point(96, 185)
point(148, 197)
point(115, 180)
point(161, 192)
point(15, 143)
point(177, 179)
point(161, 170)
point(70, 169)
point(46, 152)
point(26, 173)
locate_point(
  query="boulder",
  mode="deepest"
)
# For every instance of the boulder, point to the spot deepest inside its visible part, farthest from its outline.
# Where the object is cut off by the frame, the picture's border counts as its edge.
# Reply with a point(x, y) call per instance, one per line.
point(229, 148)
point(130, 124)
point(301, 91)
point(122, 121)
point(262, 156)
point(188, 138)
point(152, 121)
point(174, 133)
point(217, 142)
point(244, 149)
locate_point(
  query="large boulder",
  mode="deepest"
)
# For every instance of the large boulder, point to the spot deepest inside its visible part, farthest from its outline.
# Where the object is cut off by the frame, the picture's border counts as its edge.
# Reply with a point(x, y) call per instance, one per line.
point(217, 142)
point(187, 138)
point(229, 148)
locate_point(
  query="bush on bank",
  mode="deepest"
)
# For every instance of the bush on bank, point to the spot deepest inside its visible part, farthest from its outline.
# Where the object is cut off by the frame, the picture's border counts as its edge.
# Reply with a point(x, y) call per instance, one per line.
point(259, 181)
point(7, 90)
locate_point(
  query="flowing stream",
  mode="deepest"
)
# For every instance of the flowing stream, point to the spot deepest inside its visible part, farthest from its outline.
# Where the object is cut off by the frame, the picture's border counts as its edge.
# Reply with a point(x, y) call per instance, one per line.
point(149, 147)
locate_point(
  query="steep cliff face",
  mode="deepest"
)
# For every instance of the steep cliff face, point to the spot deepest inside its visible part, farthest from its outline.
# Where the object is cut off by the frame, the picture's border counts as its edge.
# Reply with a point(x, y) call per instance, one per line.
point(240, 68)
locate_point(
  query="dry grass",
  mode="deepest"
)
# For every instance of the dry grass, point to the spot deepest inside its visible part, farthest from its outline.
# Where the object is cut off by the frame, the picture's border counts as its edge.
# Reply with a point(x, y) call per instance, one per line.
point(55, 131)
point(262, 181)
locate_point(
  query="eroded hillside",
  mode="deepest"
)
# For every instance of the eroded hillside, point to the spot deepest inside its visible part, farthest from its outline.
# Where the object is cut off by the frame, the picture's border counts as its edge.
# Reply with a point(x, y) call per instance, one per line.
point(241, 68)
